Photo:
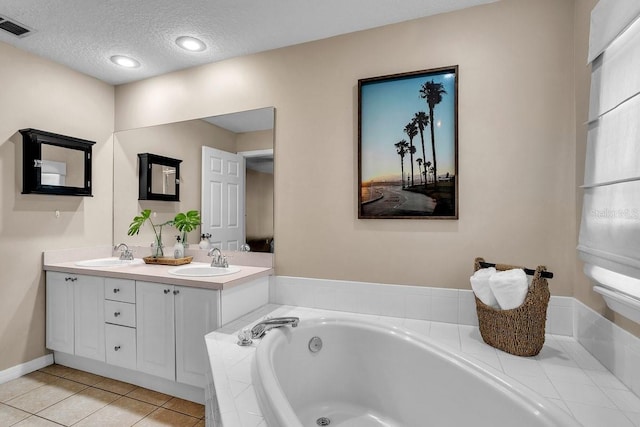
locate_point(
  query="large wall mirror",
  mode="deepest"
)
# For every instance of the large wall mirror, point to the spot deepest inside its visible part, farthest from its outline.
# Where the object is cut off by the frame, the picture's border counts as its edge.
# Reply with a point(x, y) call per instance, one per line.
point(247, 133)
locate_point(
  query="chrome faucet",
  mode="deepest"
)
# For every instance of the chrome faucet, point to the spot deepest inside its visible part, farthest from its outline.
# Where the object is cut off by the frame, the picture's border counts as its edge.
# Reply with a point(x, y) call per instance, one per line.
point(261, 328)
point(126, 254)
point(218, 260)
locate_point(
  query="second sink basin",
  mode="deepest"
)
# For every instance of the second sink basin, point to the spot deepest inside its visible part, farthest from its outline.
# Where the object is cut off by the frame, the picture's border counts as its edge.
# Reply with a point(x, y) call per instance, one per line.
point(108, 262)
point(202, 270)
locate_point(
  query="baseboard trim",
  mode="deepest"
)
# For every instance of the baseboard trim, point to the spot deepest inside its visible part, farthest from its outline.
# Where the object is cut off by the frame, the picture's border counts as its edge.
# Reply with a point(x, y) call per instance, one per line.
point(25, 368)
point(183, 391)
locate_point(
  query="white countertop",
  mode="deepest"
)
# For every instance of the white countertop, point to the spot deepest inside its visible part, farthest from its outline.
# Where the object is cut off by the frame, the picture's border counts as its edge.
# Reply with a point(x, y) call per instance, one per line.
point(65, 262)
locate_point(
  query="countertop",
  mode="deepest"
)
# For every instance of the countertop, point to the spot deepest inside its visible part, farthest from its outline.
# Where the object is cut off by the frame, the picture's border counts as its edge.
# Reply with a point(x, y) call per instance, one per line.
point(65, 262)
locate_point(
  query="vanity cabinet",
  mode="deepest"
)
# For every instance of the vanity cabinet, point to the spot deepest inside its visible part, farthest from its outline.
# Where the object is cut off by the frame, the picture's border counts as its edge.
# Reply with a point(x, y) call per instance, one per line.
point(88, 306)
point(75, 314)
point(59, 312)
point(171, 324)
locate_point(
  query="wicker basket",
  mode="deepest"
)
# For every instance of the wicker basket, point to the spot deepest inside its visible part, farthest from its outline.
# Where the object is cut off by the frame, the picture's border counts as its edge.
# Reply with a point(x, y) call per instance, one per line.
point(518, 331)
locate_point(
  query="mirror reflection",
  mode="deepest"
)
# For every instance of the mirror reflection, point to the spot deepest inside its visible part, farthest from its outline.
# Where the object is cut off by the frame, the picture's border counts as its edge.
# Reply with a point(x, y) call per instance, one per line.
point(62, 166)
point(248, 134)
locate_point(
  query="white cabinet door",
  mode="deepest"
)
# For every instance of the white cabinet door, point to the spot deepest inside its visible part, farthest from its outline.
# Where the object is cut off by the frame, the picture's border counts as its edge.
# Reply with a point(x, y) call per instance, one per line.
point(89, 317)
point(59, 315)
point(155, 331)
point(197, 312)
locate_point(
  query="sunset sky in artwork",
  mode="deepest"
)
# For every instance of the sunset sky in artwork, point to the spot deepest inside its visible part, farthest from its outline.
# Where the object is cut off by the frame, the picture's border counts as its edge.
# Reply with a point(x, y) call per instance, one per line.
point(387, 106)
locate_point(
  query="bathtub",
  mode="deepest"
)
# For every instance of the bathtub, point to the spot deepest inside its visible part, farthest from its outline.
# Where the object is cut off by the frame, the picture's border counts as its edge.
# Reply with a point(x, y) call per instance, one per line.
point(366, 374)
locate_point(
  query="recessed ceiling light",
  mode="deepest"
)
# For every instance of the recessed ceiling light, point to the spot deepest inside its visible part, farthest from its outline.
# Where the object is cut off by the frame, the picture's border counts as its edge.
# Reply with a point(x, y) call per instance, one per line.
point(125, 61)
point(191, 44)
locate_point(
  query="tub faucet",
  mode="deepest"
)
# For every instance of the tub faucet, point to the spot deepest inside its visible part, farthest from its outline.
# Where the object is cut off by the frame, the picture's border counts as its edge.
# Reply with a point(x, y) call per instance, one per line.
point(261, 328)
point(217, 259)
point(126, 254)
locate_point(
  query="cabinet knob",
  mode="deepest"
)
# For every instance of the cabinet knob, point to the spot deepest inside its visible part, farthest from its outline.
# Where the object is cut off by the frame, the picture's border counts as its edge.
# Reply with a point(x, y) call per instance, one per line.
point(116, 290)
point(176, 292)
point(116, 314)
point(116, 348)
point(166, 291)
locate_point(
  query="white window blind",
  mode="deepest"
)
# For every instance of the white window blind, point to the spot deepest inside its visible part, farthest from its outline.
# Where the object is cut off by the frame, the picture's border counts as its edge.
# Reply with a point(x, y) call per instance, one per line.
point(610, 227)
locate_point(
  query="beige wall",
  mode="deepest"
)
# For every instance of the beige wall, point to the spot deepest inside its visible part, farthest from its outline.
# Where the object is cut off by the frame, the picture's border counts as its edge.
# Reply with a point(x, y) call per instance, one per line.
point(259, 205)
point(40, 94)
point(184, 141)
point(517, 195)
point(251, 141)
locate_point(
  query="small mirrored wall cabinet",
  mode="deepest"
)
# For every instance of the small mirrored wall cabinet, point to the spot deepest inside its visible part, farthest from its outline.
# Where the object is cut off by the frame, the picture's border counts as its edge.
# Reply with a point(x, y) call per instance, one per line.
point(55, 164)
point(159, 178)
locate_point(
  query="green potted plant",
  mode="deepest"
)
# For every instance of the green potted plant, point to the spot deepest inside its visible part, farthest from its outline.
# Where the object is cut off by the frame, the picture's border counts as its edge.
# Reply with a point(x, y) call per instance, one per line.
point(187, 222)
point(138, 221)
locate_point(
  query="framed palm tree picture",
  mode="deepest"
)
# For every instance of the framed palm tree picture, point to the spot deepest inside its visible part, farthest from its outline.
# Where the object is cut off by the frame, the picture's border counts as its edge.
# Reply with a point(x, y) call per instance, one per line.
point(408, 145)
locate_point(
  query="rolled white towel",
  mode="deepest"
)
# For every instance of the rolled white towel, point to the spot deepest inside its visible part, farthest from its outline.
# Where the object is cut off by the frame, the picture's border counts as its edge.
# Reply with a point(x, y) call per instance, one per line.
point(480, 285)
point(509, 287)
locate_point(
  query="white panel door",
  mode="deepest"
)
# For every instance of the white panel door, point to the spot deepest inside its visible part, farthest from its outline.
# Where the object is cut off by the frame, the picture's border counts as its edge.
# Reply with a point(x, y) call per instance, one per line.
point(155, 331)
point(59, 315)
point(197, 314)
point(223, 192)
point(89, 317)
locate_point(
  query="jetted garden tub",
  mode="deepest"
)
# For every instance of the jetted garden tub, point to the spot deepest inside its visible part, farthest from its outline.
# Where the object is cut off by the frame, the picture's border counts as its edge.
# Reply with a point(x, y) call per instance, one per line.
point(344, 372)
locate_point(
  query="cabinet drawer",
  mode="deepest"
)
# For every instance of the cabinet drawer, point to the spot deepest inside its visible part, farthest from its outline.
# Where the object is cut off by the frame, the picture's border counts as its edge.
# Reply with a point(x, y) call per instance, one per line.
point(121, 346)
point(120, 313)
point(120, 290)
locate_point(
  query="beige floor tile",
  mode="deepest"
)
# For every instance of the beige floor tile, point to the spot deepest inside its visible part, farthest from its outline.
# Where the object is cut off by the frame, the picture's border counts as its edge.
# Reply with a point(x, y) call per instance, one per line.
point(200, 424)
point(24, 384)
point(58, 370)
point(84, 377)
point(35, 421)
point(79, 406)
point(122, 412)
point(115, 386)
point(162, 417)
point(47, 395)
point(149, 396)
point(185, 407)
point(9, 416)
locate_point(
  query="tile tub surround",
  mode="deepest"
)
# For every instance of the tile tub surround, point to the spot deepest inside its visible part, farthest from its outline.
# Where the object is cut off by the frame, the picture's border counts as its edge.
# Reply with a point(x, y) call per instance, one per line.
point(411, 302)
point(564, 372)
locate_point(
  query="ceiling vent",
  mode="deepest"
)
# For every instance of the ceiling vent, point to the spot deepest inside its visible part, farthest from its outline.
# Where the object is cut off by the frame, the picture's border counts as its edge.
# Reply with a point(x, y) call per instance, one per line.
point(11, 26)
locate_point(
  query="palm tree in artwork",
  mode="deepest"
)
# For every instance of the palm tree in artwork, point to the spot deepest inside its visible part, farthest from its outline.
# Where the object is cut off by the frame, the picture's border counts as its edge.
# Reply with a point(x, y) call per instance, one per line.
point(427, 166)
point(432, 92)
point(419, 162)
point(402, 147)
point(421, 120)
point(411, 131)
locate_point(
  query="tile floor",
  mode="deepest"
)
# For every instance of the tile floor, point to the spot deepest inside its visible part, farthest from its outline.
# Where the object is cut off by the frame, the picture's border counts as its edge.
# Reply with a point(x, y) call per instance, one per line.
point(58, 395)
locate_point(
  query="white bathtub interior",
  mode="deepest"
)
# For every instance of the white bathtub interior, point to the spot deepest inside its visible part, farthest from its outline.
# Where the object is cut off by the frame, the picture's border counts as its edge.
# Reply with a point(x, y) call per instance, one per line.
point(564, 372)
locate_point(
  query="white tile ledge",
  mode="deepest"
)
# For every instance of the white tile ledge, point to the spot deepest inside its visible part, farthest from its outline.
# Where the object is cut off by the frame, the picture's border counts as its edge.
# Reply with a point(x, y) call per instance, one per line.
point(564, 372)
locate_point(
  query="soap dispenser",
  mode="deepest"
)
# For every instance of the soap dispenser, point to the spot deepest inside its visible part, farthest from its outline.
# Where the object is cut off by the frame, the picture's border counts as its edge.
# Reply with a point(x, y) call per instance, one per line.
point(178, 249)
point(204, 243)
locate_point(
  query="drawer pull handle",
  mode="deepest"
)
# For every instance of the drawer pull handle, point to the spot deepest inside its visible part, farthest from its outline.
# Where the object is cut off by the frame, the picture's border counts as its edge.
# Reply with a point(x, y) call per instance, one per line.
point(116, 348)
point(176, 292)
point(116, 290)
point(70, 279)
point(166, 291)
point(116, 314)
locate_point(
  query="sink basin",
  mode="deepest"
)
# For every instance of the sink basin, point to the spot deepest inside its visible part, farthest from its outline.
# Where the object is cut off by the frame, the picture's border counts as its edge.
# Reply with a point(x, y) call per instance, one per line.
point(202, 270)
point(108, 262)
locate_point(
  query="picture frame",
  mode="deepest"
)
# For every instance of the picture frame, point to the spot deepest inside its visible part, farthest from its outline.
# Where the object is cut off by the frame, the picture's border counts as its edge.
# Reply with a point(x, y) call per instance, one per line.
point(408, 145)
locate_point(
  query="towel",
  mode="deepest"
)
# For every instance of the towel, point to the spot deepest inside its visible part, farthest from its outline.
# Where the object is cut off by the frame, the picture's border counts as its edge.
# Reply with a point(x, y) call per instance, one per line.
point(509, 287)
point(480, 286)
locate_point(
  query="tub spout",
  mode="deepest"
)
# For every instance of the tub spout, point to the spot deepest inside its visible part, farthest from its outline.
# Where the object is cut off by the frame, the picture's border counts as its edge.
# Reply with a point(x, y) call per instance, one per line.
point(261, 328)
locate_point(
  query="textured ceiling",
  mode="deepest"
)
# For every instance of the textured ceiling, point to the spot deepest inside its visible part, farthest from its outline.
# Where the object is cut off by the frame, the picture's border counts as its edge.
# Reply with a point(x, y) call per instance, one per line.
point(84, 34)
